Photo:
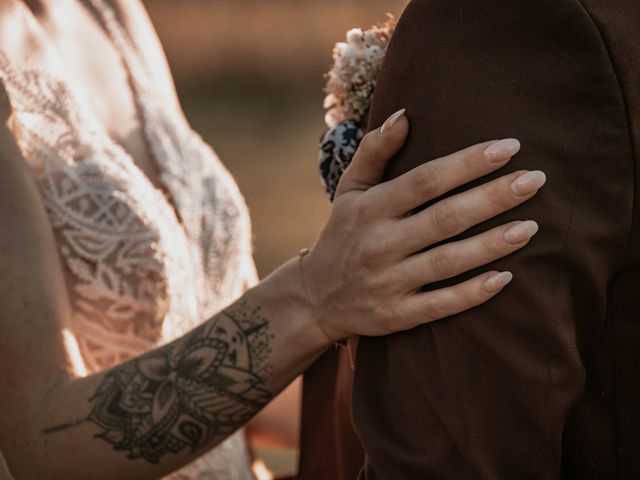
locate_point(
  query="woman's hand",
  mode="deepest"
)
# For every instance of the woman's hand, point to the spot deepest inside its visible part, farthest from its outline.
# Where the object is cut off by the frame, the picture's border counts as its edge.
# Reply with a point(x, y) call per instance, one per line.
point(365, 273)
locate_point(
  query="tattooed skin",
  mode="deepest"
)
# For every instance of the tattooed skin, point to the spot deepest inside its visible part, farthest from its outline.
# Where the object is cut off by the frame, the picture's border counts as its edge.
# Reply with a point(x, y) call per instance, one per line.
point(198, 389)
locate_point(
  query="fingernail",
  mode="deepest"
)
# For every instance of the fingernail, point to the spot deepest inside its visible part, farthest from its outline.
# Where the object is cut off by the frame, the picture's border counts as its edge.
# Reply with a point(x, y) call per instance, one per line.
point(498, 282)
point(502, 150)
point(388, 124)
point(521, 232)
point(528, 183)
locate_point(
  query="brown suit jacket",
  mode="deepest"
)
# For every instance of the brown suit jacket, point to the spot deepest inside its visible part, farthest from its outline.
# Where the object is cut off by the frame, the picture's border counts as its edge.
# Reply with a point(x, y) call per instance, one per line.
point(542, 382)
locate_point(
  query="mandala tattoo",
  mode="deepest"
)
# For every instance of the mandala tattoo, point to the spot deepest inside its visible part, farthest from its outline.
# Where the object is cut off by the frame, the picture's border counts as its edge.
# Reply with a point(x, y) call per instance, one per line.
point(194, 391)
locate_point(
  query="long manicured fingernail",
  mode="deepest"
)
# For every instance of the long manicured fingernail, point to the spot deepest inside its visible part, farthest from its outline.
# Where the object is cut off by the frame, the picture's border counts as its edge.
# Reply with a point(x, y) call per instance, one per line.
point(388, 124)
point(498, 282)
point(528, 183)
point(502, 150)
point(521, 232)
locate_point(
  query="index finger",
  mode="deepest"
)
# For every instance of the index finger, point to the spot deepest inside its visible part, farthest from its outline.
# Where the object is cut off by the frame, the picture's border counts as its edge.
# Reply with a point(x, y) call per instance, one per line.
point(437, 177)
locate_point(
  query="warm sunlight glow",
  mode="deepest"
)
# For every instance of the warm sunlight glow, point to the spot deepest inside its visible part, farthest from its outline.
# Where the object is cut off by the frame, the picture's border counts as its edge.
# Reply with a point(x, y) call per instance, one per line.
point(73, 351)
point(261, 471)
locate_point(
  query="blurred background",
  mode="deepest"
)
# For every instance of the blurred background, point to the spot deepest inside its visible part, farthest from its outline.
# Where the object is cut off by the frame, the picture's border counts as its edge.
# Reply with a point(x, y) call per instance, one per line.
point(249, 74)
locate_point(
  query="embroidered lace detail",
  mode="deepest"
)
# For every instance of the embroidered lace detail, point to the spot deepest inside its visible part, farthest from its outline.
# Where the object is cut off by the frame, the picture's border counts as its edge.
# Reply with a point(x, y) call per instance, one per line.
point(97, 201)
point(142, 267)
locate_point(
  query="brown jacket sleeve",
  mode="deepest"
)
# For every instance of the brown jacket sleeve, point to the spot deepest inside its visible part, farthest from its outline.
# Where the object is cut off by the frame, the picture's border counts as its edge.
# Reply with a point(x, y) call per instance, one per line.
point(537, 383)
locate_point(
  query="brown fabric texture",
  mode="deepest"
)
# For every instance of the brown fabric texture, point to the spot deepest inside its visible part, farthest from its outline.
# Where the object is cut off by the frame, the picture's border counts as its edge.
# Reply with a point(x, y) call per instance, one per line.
point(542, 382)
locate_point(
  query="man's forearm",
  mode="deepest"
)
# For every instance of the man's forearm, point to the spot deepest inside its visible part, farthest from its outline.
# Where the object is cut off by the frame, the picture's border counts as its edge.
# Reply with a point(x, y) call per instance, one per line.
point(149, 416)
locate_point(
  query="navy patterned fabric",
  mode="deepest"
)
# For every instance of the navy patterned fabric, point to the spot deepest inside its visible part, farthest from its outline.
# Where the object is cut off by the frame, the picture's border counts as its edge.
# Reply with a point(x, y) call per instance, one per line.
point(338, 145)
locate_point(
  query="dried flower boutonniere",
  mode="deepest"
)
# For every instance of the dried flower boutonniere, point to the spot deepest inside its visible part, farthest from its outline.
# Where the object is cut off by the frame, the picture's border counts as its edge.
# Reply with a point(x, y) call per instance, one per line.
point(350, 85)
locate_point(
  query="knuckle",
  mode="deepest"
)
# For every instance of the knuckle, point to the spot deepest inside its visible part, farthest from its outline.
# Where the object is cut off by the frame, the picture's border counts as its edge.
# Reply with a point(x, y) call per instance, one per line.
point(427, 181)
point(441, 264)
point(499, 198)
point(373, 285)
point(389, 317)
point(367, 143)
point(373, 250)
point(479, 294)
point(470, 156)
point(433, 309)
point(445, 220)
point(493, 247)
point(369, 137)
point(367, 258)
point(362, 210)
point(467, 296)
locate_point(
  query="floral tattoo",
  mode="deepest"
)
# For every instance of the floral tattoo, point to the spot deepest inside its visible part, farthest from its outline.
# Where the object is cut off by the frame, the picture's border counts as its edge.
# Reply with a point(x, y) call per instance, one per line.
point(196, 390)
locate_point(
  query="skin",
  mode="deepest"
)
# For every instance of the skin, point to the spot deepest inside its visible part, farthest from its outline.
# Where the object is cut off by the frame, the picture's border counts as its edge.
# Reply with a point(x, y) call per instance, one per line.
point(362, 277)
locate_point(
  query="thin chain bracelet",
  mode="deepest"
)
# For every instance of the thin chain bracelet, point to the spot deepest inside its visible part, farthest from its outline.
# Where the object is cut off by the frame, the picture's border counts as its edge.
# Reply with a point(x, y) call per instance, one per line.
point(303, 253)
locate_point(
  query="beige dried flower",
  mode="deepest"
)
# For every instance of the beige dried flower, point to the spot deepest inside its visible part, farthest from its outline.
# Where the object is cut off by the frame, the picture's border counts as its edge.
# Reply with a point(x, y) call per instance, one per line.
point(352, 78)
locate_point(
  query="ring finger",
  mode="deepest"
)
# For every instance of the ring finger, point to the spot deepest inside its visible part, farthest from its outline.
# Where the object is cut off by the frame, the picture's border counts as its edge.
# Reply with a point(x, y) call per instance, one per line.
point(460, 212)
point(454, 258)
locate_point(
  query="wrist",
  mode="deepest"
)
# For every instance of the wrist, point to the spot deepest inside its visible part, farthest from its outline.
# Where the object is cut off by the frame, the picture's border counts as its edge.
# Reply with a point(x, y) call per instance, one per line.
point(282, 294)
point(301, 256)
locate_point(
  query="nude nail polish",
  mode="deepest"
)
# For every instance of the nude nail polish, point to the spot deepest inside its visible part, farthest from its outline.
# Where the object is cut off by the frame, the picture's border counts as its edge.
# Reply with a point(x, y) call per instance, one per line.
point(528, 183)
point(502, 150)
point(388, 124)
point(498, 282)
point(521, 232)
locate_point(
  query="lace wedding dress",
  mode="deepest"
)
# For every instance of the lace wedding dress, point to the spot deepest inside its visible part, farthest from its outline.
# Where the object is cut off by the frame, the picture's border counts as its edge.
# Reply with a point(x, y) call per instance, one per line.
point(143, 266)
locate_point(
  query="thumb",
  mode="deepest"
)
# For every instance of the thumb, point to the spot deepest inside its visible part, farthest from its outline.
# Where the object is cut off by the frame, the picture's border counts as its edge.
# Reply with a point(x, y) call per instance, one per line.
point(376, 149)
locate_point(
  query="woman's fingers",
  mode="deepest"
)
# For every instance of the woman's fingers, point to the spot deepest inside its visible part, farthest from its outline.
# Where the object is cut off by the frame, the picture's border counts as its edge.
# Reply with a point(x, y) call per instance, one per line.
point(373, 154)
point(458, 213)
point(451, 259)
point(433, 179)
point(363, 272)
point(421, 308)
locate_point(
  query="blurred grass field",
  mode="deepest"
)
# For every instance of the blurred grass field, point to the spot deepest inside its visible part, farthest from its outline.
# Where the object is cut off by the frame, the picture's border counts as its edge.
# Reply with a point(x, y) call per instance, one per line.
point(250, 77)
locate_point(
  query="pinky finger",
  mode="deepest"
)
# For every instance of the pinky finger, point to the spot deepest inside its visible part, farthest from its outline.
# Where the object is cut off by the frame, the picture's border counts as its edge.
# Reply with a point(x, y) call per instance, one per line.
point(422, 308)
